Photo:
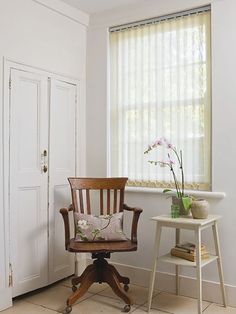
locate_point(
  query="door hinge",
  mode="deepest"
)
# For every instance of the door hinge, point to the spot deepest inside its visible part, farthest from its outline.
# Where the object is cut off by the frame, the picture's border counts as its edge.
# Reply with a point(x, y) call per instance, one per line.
point(10, 84)
point(10, 278)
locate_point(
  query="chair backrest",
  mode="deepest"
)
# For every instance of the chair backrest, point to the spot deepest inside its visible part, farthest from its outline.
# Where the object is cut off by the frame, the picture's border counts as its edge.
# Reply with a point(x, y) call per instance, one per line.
point(111, 196)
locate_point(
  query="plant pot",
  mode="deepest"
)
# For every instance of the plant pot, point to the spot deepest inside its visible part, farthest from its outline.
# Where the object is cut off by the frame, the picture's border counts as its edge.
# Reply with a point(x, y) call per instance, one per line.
point(183, 203)
point(200, 209)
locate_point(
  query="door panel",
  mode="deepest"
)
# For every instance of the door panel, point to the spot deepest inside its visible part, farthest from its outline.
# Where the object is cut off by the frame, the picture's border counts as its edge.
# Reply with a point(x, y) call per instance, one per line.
point(28, 184)
point(62, 157)
point(28, 199)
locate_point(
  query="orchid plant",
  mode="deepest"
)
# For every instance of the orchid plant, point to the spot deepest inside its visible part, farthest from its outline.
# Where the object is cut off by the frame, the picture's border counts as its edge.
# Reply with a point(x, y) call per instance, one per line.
point(163, 142)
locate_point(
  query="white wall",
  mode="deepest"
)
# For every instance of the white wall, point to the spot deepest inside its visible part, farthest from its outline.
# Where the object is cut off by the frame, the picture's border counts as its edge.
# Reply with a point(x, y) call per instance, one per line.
point(223, 129)
point(35, 35)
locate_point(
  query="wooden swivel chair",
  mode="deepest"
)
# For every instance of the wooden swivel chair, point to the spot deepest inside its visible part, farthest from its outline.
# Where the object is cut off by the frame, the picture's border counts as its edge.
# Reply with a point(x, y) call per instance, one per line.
point(100, 271)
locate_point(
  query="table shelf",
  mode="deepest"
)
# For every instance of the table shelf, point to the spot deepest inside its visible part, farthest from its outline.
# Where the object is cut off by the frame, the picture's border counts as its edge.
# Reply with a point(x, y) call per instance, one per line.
point(168, 258)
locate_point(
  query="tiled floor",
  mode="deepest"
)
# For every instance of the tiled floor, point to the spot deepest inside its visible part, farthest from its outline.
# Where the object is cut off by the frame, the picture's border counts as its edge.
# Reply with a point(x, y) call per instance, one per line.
point(101, 299)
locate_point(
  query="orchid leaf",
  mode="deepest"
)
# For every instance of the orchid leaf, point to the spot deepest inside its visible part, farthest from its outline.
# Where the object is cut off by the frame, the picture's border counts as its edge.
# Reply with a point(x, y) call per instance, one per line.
point(167, 190)
point(186, 202)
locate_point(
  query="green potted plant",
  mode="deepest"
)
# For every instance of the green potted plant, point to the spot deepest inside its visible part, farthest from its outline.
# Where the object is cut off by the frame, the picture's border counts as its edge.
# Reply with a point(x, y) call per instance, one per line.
point(181, 199)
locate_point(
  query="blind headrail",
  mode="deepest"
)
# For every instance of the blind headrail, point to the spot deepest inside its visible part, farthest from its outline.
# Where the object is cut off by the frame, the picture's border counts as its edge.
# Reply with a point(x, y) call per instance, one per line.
point(159, 19)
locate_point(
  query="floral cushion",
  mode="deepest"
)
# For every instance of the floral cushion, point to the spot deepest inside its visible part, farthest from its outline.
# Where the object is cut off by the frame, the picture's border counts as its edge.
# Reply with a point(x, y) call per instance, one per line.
point(90, 228)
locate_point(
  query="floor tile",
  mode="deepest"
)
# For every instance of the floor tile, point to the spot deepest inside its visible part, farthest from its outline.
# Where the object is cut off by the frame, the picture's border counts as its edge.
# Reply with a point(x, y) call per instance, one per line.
point(22, 307)
point(99, 304)
point(137, 293)
point(219, 309)
point(101, 299)
point(53, 297)
point(66, 282)
point(95, 288)
point(98, 288)
point(176, 304)
point(152, 311)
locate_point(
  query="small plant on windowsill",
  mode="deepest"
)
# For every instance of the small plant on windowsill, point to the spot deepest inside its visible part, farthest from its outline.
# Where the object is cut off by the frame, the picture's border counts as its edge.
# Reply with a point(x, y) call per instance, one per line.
point(181, 199)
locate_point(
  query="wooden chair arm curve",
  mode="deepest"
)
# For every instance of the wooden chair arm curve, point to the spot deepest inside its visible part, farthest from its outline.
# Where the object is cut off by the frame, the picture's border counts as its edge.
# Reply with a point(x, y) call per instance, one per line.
point(134, 209)
point(64, 212)
point(136, 213)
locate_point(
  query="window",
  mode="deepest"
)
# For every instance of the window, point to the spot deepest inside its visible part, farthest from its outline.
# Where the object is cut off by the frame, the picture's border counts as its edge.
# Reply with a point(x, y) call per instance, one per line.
point(161, 87)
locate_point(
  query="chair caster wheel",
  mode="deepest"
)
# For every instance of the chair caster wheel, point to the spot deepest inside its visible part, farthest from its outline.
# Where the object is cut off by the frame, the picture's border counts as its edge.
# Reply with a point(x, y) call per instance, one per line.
point(126, 288)
point(67, 310)
point(74, 288)
point(127, 308)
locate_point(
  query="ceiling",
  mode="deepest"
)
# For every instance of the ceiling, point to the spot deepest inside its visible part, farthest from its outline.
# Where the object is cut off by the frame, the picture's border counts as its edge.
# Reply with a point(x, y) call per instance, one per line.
point(96, 6)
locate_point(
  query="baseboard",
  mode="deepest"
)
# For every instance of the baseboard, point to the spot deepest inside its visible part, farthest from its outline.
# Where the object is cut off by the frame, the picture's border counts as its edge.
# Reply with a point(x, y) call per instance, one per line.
point(166, 282)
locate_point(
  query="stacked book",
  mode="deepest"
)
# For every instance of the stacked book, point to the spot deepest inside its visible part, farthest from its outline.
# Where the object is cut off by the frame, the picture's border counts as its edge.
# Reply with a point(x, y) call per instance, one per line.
point(188, 251)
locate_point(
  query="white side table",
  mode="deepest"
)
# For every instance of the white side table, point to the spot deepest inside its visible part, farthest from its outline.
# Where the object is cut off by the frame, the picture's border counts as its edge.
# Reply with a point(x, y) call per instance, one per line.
point(197, 225)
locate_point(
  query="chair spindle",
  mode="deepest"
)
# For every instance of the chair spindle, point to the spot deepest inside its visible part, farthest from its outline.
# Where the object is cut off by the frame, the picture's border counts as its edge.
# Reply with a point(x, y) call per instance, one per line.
point(121, 200)
point(81, 201)
point(88, 202)
point(108, 201)
point(115, 202)
point(101, 202)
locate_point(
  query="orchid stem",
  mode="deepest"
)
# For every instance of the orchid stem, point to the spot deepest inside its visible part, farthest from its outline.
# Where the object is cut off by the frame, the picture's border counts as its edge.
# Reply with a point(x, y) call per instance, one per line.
point(182, 172)
point(176, 182)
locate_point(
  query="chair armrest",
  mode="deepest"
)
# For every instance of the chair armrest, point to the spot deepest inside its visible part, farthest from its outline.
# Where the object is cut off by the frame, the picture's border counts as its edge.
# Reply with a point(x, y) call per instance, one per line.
point(136, 214)
point(64, 212)
point(70, 208)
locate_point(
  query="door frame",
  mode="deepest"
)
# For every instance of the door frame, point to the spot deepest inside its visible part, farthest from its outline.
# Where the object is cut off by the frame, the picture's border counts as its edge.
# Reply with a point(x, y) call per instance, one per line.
point(80, 168)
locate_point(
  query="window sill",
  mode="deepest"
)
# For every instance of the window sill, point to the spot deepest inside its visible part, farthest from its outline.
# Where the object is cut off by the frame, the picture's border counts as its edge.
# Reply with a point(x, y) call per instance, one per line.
point(205, 194)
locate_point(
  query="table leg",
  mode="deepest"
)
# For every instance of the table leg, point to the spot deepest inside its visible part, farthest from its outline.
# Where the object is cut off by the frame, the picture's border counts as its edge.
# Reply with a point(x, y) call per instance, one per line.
point(198, 268)
point(177, 267)
point(219, 262)
point(155, 256)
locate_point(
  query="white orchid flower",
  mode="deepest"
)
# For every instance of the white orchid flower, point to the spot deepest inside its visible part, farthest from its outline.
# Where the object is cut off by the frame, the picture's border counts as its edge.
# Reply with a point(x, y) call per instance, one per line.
point(83, 224)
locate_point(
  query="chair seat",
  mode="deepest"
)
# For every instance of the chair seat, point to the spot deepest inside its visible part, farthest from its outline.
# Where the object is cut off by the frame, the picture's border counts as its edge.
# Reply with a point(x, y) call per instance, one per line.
point(96, 247)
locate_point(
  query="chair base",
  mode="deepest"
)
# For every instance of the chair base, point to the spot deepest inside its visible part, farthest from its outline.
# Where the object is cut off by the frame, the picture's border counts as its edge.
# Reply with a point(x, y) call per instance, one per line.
point(100, 271)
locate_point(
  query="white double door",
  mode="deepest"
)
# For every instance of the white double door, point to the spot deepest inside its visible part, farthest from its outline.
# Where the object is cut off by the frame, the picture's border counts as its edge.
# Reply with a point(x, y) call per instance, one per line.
point(42, 157)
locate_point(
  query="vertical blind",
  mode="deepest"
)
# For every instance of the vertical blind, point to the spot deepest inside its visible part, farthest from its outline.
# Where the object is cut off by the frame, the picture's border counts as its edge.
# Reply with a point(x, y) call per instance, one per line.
point(161, 87)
